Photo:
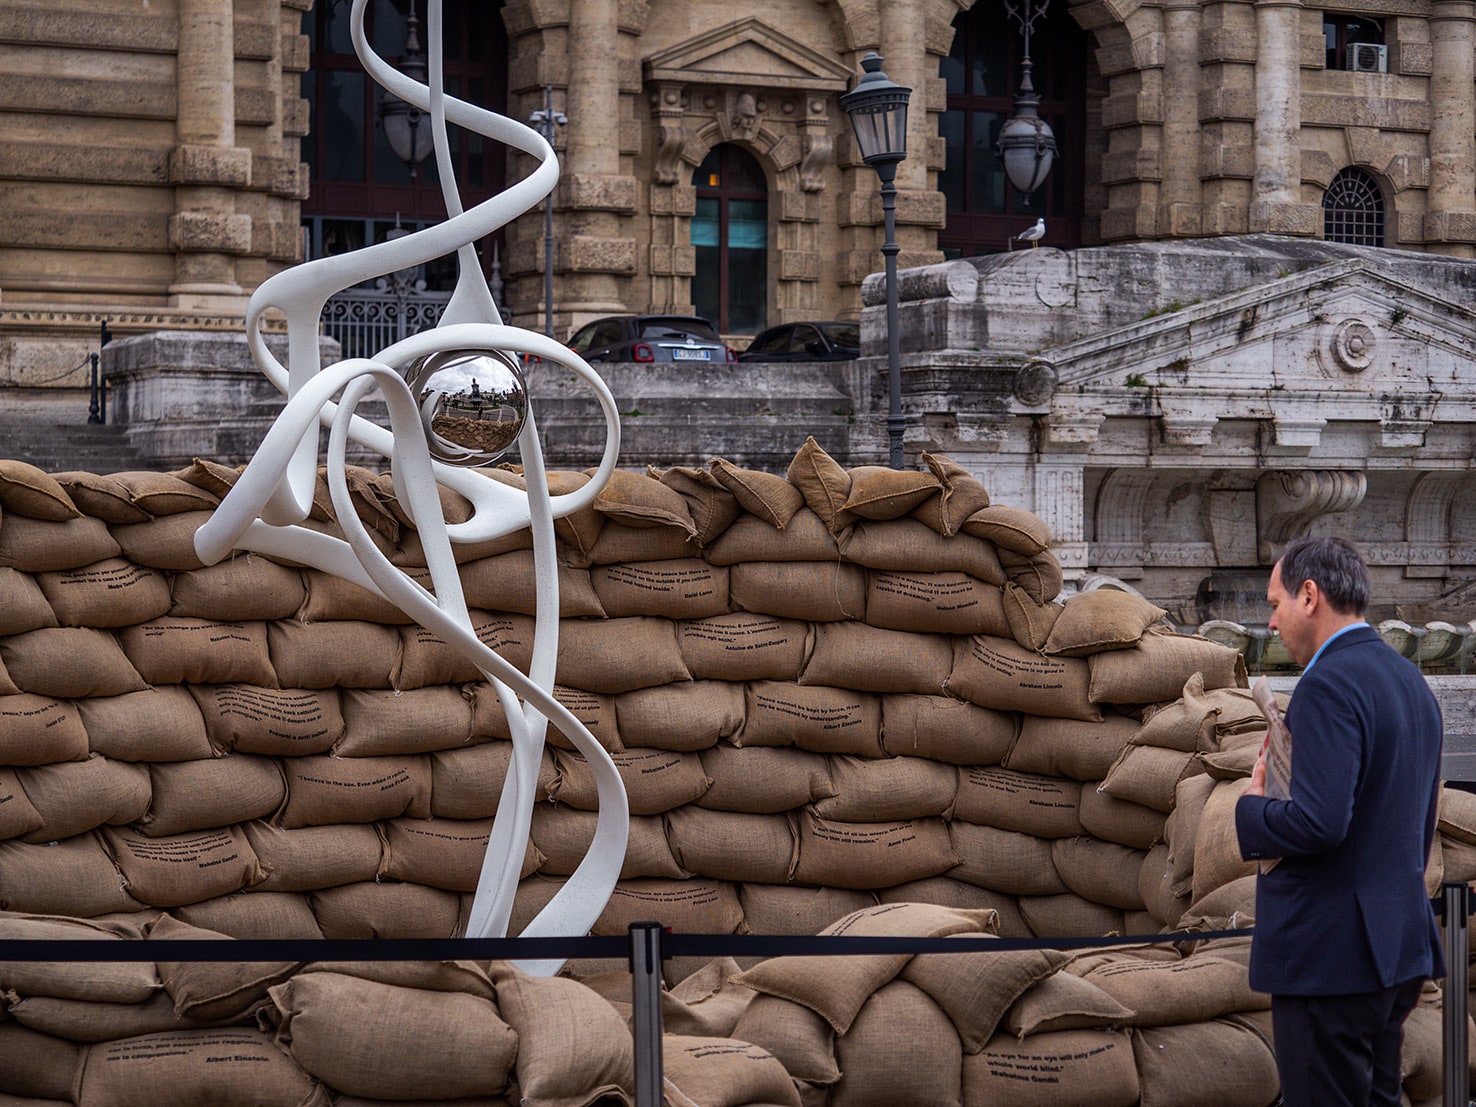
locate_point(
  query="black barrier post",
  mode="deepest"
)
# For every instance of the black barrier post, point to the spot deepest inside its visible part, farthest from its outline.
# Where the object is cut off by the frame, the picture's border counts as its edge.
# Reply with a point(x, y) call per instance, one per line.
point(645, 985)
point(1456, 897)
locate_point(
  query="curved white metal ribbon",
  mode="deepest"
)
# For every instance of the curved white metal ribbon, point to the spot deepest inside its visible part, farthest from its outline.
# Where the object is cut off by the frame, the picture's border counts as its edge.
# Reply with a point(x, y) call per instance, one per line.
point(265, 508)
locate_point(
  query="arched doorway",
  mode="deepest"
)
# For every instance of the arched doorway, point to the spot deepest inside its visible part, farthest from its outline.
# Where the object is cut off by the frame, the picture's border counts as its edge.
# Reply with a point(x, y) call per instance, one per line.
point(730, 234)
point(982, 72)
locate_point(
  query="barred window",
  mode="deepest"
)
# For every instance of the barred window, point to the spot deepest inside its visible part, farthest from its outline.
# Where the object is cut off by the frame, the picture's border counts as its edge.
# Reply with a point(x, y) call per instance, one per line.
point(1353, 209)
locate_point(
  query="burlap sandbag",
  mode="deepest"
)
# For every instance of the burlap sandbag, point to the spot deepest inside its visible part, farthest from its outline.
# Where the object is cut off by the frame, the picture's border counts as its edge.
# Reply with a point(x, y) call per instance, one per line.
point(744, 647)
point(1063, 1001)
point(691, 716)
point(733, 846)
point(999, 673)
point(1086, 1068)
point(1230, 905)
point(1010, 528)
point(619, 655)
point(156, 724)
point(1456, 817)
point(23, 605)
point(935, 603)
point(1156, 669)
point(467, 783)
point(1217, 859)
point(119, 982)
point(688, 588)
point(69, 663)
point(327, 655)
point(40, 730)
point(909, 546)
point(213, 989)
point(595, 711)
point(791, 909)
point(1003, 860)
point(442, 853)
point(1103, 619)
point(83, 1021)
point(388, 1042)
point(186, 1067)
point(1031, 621)
point(1046, 807)
point(74, 877)
point(240, 587)
point(37, 1065)
point(325, 790)
point(961, 495)
point(183, 868)
point(1187, 724)
point(217, 791)
point(330, 598)
point(804, 538)
point(1122, 821)
point(313, 857)
point(688, 907)
point(619, 544)
point(1182, 827)
point(165, 493)
point(508, 582)
point(976, 989)
point(563, 835)
point(868, 790)
point(763, 780)
point(1459, 860)
point(164, 543)
point(836, 988)
point(947, 892)
point(1161, 993)
point(34, 546)
point(1068, 915)
point(18, 815)
point(712, 507)
point(1223, 1061)
point(822, 480)
point(721, 1072)
point(572, 1046)
point(1149, 775)
point(815, 591)
point(1081, 749)
point(110, 593)
point(941, 728)
point(655, 780)
point(801, 1039)
point(872, 854)
point(468, 977)
point(820, 719)
point(387, 909)
point(102, 496)
point(901, 1048)
point(379, 723)
point(1103, 872)
point(254, 914)
point(76, 796)
point(1039, 575)
point(866, 658)
point(880, 493)
point(199, 651)
point(279, 722)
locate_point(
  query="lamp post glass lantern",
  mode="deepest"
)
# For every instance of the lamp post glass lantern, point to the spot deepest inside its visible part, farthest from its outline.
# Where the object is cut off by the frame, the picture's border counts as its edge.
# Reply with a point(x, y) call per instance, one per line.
point(1027, 146)
point(406, 128)
point(877, 108)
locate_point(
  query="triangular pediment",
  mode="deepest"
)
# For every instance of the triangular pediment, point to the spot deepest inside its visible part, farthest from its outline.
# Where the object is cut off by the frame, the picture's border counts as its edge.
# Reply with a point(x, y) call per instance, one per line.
point(748, 52)
point(1344, 327)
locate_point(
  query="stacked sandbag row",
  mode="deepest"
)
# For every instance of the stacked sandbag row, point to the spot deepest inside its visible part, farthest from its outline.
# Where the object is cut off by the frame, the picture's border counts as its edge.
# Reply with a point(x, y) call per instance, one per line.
point(850, 686)
point(179, 1034)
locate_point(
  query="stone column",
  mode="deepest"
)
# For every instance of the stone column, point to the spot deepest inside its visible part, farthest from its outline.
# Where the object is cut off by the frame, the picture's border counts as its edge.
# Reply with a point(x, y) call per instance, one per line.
point(1276, 186)
point(1180, 211)
point(1450, 221)
point(592, 190)
point(205, 165)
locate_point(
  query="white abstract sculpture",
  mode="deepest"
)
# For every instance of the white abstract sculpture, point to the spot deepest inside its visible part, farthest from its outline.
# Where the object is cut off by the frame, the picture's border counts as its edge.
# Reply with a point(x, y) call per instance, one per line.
point(439, 387)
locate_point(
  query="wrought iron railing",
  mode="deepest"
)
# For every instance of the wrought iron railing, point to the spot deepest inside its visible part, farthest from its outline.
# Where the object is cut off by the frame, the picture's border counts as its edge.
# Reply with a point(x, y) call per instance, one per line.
point(366, 320)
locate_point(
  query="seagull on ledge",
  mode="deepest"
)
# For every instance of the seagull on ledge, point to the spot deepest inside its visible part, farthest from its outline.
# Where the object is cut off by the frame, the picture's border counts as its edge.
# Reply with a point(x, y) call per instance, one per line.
point(1034, 234)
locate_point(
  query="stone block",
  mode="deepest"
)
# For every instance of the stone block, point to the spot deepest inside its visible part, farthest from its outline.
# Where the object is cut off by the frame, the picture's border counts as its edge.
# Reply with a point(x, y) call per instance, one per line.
point(295, 117)
point(257, 106)
point(1311, 48)
point(793, 207)
point(799, 265)
point(1140, 106)
point(139, 98)
point(1407, 171)
point(1450, 226)
point(1359, 108)
point(210, 232)
point(592, 192)
point(592, 254)
point(1412, 59)
point(1217, 160)
point(1407, 228)
point(1318, 166)
point(935, 152)
point(631, 16)
point(45, 161)
point(1290, 219)
point(673, 261)
point(532, 15)
point(786, 152)
point(1128, 223)
point(278, 241)
point(628, 74)
point(295, 53)
point(855, 209)
point(1131, 165)
point(1223, 102)
point(71, 230)
point(284, 177)
point(255, 41)
point(918, 208)
point(226, 166)
point(1181, 220)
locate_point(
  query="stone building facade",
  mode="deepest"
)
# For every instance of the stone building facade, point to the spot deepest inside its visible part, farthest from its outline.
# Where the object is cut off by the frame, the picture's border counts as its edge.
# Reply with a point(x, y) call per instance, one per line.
point(152, 174)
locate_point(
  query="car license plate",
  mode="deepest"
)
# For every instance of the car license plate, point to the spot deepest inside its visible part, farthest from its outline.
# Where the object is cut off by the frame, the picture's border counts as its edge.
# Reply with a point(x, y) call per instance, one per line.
point(691, 355)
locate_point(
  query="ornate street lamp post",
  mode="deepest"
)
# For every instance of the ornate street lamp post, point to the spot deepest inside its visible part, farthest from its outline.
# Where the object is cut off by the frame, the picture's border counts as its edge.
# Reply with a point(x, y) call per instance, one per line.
point(877, 108)
point(405, 126)
point(546, 122)
point(1026, 145)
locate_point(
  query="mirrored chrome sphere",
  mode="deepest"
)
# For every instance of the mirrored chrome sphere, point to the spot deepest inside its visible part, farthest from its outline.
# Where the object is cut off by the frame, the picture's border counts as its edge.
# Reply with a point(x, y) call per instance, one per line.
point(473, 404)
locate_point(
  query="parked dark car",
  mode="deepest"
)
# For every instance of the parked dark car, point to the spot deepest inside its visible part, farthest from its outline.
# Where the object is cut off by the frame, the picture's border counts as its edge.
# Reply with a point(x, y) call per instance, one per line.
point(650, 338)
point(806, 342)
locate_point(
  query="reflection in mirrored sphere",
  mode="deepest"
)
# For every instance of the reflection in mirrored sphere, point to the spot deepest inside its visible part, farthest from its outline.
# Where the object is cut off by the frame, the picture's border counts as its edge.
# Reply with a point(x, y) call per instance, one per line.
point(473, 404)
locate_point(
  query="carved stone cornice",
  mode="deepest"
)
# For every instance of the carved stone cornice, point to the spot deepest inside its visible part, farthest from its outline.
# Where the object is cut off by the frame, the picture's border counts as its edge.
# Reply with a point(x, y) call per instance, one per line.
point(1289, 502)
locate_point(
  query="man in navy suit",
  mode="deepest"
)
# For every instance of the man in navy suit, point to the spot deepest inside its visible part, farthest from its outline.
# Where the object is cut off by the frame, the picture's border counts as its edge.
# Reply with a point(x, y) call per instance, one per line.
point(1345, 936)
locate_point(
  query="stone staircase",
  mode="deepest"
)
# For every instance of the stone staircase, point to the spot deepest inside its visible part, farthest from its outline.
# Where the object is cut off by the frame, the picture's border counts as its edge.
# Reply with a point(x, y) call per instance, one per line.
point(64, 447)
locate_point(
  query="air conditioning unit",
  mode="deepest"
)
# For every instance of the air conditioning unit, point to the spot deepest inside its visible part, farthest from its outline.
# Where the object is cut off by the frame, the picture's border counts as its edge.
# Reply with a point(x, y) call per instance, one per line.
point(1368, 57)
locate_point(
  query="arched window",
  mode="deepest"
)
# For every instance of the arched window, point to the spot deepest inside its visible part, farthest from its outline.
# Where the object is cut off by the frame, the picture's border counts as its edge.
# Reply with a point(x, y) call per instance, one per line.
point(982, 73)
point(1353, 209)
point(731, 235)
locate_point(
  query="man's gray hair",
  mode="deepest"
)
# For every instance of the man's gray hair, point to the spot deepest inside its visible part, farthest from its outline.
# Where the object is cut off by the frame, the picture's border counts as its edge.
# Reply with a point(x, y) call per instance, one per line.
point(1333, 565)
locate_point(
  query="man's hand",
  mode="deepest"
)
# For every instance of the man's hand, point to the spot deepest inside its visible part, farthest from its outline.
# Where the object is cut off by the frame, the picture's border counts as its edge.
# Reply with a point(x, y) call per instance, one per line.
point(1258, 777)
